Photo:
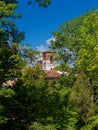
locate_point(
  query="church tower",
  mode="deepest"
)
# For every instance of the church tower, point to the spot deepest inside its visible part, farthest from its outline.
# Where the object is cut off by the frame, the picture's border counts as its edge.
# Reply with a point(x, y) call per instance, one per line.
point(47, 61)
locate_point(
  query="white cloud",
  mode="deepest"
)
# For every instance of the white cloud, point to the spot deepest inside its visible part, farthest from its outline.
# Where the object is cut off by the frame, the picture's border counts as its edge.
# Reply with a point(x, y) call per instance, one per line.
point(41, 48)
point(45, 47)
point(48, 41)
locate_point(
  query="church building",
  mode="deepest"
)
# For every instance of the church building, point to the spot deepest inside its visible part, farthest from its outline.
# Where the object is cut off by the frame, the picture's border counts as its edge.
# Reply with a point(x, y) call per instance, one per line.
point(47, 62)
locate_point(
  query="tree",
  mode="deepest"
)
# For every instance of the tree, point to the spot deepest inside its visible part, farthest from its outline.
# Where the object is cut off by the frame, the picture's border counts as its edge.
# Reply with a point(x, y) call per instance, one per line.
point(41, 3)
point(31, 90)
point(29, 55)
point(10, 59)
point(83, 100)
point(77, 41)
point(10, 35)
point(9, 41)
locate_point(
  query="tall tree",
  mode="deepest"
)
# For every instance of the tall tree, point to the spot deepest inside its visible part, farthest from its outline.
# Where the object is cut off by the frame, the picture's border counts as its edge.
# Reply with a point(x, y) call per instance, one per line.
point(10, 58)
point(83, 100)
point(9, 37)
point(77, 41)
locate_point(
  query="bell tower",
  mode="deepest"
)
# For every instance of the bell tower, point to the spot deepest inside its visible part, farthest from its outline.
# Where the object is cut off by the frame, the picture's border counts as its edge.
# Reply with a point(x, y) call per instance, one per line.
point(47, 61)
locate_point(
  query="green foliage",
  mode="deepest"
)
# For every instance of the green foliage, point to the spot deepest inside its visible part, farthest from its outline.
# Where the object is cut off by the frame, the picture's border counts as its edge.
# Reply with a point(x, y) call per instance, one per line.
point(6, 10)
point(29, 55)
point(38, 126)
point(76, 41)
point(6, 99)
point(75, 33)
point(82, 98)
point(41, 3)
point(33, 103)
point(6, 92)
point(93, 123)
point(3, 120)
point(39, 105)
point(10, 59)
point(10, 56)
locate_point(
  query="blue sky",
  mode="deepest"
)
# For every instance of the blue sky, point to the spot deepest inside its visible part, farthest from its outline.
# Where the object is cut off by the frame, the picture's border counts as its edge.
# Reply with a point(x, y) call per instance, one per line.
point(39, 23)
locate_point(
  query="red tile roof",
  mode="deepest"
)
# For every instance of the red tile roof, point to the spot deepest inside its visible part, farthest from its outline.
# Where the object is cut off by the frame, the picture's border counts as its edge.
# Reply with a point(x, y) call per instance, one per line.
point(10, 83)
point(52, 73)
point(48, 51)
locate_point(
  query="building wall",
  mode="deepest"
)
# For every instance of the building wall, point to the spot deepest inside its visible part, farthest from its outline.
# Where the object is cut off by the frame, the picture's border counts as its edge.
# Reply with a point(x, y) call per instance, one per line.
point(47, 65)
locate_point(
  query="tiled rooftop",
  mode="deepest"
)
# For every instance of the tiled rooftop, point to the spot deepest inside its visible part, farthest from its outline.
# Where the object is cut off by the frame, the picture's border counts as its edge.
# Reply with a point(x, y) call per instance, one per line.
point(52, 73)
